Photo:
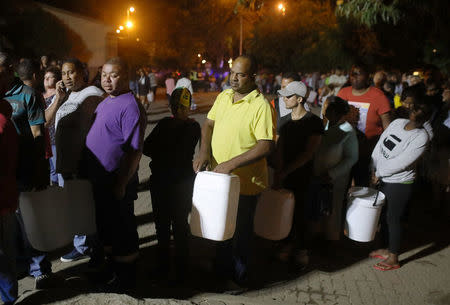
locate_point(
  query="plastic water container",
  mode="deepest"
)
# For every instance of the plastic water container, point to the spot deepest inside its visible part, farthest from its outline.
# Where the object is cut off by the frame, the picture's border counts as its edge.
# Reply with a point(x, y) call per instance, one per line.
point(214, 205)
point(53, 216)
point(363, 213)
point(274, 214)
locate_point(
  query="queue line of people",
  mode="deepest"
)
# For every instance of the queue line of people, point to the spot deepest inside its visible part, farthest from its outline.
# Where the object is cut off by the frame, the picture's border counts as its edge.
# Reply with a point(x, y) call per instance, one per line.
point(99, 136)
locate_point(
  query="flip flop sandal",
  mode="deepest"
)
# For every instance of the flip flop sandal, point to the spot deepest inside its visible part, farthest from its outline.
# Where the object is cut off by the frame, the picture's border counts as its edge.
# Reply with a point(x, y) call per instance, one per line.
point(385, 267)
point(379, 256)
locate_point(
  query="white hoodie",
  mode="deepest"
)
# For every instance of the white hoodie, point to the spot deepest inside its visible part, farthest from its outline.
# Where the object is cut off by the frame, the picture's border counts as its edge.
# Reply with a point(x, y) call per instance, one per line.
point(397, 151)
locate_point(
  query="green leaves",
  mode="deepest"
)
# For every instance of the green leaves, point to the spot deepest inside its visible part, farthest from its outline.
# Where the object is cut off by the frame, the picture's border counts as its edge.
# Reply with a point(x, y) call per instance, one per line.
point(371, 12)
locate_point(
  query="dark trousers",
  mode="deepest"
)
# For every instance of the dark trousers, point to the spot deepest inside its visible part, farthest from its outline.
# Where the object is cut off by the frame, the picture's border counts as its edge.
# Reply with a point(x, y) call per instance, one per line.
point(397, 199)
point(234, 254)
point(8, 279)
point(116, 223)
point(171, 204)
point(361, 171)
point(298, 184)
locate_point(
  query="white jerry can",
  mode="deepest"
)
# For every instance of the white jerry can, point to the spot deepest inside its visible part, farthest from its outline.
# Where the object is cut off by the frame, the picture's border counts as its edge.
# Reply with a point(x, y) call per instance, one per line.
point(214, 205)
point(274, 214)
point(53, 216)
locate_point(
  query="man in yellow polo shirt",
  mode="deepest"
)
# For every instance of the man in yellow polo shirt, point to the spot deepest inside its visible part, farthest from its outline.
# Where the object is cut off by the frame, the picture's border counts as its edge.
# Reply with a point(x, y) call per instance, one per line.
point(236, 137)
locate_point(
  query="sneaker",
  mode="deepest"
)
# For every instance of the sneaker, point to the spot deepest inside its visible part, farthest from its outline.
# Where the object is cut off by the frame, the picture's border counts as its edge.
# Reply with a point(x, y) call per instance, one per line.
point(47, 281)
point(72, 256)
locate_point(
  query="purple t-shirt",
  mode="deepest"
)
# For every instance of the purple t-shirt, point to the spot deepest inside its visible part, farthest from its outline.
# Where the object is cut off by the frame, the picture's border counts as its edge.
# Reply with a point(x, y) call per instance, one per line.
point(115, 130)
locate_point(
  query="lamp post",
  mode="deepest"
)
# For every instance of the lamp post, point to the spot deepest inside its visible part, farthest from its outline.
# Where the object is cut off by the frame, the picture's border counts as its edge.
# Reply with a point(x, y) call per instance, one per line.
point(240, 35)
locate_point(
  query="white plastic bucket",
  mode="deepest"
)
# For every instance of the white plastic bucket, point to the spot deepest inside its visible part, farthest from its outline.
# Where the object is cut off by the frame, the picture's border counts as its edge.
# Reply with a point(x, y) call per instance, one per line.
point(363, 213)
point(53, 216)
point(274, 214)
point(214, 205)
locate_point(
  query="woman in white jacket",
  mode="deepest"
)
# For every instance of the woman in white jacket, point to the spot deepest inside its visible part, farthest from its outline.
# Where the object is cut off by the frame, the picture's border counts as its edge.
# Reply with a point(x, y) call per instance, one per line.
point(394, 159)
point(334, 159)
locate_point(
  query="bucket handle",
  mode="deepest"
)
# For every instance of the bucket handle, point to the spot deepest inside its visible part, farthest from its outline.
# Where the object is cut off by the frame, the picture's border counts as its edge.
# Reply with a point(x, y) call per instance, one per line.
point(377, 187)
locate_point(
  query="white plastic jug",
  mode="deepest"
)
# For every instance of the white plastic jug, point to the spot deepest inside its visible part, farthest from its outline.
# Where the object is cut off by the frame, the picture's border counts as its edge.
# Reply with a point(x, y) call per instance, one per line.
point(53, 216)
point(274, 214)
point(214, 205)
point(363, 213)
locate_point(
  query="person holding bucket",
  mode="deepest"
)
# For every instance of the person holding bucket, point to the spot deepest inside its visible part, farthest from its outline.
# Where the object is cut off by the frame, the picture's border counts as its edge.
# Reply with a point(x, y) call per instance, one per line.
point(237, 135)
point(334, 159)
point(300, 136)
point(394, 159)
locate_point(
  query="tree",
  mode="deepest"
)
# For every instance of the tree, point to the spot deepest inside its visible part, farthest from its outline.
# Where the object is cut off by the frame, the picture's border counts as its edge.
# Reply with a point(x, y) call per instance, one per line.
point(307, 37)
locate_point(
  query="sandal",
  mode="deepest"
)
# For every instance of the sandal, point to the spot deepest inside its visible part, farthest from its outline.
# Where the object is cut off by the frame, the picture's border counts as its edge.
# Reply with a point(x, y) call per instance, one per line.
point(376, 254)
point(385, 267)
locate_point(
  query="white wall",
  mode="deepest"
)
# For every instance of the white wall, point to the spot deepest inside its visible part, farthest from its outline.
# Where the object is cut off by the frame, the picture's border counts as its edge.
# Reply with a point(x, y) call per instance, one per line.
point(97, 36)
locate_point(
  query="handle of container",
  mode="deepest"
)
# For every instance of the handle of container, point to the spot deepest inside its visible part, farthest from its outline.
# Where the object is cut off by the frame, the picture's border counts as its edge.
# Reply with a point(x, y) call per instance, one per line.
point(378, 193)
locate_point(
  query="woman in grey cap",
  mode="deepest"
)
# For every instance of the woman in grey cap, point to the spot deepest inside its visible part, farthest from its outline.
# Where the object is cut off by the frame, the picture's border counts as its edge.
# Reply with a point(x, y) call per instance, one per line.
point(300, 134)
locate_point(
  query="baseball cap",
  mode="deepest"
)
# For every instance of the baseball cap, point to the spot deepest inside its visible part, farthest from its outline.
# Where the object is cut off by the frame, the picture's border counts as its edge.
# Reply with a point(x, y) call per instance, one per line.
point(292, 88)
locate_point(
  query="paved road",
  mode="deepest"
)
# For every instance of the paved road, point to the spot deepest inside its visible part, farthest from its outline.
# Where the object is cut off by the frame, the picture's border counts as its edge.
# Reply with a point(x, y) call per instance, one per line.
point(339, 274)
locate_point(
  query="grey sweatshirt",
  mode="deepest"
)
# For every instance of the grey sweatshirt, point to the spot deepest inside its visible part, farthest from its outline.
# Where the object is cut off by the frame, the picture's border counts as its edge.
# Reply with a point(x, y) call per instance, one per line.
point(397, 151)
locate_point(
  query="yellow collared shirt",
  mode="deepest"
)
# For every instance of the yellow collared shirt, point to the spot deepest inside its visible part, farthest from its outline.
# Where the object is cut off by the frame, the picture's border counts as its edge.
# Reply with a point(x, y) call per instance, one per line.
point(237, 128)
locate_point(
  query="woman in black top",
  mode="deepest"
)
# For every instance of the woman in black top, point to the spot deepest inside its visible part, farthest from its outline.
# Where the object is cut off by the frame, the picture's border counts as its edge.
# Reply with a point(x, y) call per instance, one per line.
point(300, 135)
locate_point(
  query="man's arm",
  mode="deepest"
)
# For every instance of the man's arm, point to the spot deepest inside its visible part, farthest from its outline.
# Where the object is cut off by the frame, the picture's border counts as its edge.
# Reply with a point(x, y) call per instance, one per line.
point(50, 112)
point(385, 119)
point(262, 149)
point(311, 148)
point(128, 167)
point(203, 159)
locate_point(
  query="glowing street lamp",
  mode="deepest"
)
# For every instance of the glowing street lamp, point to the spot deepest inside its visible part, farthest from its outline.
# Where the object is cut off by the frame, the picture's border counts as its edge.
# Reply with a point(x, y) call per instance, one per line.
point(131, 9)
point(199, 55)
point(121, 27)
point(117, 31)
point(282, 8)
point(203, 61)
point(129, 24)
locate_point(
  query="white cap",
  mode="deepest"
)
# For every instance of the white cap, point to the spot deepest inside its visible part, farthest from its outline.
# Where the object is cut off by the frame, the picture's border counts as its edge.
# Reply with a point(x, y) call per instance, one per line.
point(292, 88)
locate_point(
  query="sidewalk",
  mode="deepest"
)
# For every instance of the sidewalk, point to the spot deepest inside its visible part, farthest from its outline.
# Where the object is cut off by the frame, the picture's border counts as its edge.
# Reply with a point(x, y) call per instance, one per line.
point(340, 274)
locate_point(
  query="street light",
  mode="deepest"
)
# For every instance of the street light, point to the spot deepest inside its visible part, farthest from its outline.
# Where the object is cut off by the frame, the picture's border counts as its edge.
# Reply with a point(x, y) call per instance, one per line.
point(129, 24)
point(131, 9)
point(203, 61)
point(117, 31)
point(121, 27)
point(199, 55)
point(282, 8)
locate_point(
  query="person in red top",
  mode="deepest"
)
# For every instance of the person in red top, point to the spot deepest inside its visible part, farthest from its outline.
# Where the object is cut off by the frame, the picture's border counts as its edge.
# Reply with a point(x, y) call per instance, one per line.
point(374, 117)
point(9, 194)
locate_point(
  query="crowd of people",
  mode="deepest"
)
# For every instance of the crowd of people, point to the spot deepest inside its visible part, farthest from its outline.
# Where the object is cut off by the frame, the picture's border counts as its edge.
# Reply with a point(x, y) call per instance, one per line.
point(56, 127)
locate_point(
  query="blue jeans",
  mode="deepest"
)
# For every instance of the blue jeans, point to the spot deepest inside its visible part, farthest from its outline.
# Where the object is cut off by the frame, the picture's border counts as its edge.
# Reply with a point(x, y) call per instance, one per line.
point(55, 178)
point(83, 244)
point(234, 254)
point(37, 260)
point(8, 279)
